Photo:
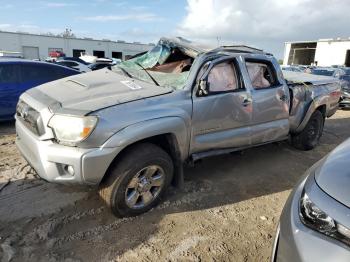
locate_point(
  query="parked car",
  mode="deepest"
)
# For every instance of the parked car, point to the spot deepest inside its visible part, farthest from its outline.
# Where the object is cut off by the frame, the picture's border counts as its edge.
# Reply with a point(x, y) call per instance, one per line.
point(75, 65)
point(315, 224)
point(76, 59)
point(131, 129)
point(56, 54)
point(291, 68)
point(19, 75)
point(343, 74)
point(323, 71)
point(100, 65)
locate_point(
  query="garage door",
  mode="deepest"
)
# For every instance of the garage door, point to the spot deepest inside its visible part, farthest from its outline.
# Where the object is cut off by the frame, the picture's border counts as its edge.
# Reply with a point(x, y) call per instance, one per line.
point(31, 52)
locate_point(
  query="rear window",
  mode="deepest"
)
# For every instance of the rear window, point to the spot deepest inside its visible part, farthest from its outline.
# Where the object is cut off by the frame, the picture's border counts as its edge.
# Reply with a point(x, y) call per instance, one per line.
point(68, 63)
point(43, 73)
point(8, 73)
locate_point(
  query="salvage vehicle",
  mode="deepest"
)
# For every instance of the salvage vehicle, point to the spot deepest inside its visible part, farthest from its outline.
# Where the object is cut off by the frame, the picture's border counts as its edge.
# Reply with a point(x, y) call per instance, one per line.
point(131, 129)
point(82, 68)
point(315, 224)
point(343, 74)
point(100, 65)
point(18, 75)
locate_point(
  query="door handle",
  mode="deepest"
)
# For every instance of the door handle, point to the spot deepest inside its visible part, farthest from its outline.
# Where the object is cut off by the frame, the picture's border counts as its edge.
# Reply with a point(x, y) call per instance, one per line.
point(246, 102)
point(283, 98)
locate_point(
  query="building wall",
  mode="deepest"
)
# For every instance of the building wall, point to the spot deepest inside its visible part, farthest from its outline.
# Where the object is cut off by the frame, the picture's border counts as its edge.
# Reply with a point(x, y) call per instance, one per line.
point(287, 47)
point(15, 41)
point(328, 53)
point(331, 53)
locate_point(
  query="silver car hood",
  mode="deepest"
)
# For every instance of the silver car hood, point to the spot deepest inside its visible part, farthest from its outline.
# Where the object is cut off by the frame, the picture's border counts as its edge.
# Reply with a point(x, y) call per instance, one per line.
point(96, 90)
point(333, 176)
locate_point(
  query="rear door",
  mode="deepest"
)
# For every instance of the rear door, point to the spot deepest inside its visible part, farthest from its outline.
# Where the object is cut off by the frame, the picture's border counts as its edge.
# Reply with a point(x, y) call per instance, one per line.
point(270, 94)
point(221, 119)
point(9, 85)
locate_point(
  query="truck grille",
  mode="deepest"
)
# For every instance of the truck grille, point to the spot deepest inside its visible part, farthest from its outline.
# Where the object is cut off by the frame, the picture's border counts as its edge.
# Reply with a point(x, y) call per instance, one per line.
point(30, 118)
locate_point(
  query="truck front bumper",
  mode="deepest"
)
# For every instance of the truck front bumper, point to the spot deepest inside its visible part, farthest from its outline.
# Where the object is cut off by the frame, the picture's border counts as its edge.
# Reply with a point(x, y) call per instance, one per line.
point(63, 164)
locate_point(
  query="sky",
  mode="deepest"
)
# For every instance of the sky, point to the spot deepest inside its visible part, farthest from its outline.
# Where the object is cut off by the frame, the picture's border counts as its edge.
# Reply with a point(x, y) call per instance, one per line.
point(265, 24)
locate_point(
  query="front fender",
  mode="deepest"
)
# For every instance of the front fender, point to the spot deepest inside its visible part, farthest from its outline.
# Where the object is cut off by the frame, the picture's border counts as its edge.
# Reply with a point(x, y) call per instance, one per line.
point(150, 128)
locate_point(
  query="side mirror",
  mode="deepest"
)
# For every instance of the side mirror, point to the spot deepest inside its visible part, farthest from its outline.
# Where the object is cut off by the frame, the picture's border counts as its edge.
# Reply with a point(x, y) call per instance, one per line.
point(203, 88)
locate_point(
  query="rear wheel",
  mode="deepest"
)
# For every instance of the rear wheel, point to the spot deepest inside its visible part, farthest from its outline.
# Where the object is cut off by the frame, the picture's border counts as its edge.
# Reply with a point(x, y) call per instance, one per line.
point(138, 180)
point(310, 136)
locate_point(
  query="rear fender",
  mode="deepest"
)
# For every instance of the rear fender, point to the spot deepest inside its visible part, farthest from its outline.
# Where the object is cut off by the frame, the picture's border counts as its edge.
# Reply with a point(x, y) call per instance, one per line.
point(315, 104)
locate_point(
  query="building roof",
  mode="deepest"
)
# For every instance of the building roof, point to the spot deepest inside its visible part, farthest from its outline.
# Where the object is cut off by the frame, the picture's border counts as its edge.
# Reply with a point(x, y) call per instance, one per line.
point(339, 39)
point(77, 38)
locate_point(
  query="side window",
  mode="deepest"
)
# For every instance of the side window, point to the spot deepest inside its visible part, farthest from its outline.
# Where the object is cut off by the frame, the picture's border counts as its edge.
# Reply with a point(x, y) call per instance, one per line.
point(32, 73)
point(223, 77)
point(262, 75)
point(62, 72)
point(8, 74)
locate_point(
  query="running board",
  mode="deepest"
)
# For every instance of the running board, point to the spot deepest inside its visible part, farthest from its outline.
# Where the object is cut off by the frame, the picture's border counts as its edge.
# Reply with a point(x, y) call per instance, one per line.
point(216, 152)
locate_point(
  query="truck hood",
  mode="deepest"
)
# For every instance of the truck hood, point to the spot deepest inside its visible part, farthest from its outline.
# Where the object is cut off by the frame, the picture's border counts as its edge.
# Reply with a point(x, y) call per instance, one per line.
point(333, 176)
point(96, 90)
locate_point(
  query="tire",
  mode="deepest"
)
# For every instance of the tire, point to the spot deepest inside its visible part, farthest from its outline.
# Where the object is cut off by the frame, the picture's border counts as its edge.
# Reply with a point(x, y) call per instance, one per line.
point(310, 136)
point(131, 176)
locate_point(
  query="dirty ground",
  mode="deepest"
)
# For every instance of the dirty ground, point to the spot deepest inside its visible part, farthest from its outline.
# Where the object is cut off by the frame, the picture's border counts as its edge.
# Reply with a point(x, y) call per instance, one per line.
point(228, 210)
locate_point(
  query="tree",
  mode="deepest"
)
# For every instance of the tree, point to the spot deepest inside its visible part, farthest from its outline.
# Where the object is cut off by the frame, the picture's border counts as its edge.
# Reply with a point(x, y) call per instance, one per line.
point(67, 33)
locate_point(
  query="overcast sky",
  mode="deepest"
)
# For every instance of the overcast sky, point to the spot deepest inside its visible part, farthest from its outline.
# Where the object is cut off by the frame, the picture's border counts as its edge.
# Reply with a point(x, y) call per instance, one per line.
point(266, 24)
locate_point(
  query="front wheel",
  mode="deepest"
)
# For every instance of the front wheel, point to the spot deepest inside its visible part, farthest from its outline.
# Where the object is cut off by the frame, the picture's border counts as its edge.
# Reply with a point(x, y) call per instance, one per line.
point(309, 138)
point(138, 180)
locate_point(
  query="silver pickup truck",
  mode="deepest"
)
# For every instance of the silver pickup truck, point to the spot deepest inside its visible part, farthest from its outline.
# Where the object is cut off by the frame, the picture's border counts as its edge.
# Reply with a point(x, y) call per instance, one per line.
point(131, 129)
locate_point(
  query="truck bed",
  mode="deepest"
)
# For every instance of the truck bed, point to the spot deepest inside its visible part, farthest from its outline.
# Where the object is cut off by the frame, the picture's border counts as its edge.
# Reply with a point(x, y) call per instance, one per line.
point(309, 91)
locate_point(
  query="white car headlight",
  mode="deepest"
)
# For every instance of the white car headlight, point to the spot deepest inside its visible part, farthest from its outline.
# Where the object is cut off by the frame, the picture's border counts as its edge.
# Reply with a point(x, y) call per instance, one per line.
point(313, 217)
point(72, 129)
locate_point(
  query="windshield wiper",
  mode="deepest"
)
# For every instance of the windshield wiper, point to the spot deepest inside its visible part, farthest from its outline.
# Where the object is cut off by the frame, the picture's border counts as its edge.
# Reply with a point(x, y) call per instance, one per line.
point(125, 72)
point(154, 81)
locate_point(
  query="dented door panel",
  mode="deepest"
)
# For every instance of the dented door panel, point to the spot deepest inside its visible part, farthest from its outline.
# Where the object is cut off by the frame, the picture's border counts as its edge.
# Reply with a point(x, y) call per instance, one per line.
point(221, 121)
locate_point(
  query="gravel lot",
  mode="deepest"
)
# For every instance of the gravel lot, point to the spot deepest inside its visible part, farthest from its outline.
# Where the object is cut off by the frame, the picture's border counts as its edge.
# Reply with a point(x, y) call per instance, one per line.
point(228, 210)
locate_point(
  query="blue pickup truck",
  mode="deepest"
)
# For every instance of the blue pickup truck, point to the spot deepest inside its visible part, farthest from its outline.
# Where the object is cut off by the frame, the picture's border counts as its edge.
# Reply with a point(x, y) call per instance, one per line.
point(19, 75)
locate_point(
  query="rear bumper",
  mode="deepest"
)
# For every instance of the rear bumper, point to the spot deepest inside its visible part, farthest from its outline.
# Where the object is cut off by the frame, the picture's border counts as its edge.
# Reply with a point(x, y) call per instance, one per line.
point(51, 160)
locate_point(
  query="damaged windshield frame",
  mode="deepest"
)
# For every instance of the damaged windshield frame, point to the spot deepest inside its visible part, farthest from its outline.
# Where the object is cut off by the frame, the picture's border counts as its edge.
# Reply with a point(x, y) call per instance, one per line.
point(166, 65)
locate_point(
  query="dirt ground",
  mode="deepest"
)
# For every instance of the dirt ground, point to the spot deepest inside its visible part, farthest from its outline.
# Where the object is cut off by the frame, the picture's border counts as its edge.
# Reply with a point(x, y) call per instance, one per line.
point(228, 210)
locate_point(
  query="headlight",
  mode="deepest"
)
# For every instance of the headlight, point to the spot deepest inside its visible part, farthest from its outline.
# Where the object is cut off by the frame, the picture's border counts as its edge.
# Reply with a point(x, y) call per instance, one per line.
point(72, 129)
point(313, 217)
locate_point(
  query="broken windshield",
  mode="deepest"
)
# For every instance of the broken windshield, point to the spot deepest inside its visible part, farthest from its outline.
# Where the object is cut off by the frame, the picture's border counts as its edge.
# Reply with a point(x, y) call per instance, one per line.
point(168, 66)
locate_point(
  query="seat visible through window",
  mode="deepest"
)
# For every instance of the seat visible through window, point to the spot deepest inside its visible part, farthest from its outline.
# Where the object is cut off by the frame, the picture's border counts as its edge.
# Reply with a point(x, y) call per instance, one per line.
point(223, 77)
point(257, 73)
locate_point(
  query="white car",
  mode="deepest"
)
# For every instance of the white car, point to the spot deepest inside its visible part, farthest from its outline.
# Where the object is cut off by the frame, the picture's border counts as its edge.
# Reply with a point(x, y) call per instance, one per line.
point(75, 65)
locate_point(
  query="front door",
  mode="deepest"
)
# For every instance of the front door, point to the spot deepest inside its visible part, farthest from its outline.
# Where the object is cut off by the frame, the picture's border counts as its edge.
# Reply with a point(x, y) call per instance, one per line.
point(221, 118)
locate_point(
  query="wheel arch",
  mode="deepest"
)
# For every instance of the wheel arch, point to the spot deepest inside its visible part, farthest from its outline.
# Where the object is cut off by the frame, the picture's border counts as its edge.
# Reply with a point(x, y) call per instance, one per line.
point(312, 108)
point(169, 133)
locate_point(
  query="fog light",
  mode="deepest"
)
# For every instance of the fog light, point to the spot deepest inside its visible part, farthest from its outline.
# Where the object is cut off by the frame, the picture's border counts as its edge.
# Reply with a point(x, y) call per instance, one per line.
point(70, 170)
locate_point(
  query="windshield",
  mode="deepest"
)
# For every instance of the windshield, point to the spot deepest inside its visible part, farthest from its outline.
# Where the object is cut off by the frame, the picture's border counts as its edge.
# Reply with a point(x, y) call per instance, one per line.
point(168, 66)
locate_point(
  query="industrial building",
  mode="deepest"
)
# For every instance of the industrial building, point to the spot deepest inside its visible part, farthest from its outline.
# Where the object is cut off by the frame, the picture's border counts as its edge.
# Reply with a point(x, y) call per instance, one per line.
point(34, 46)
point(323, 52)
